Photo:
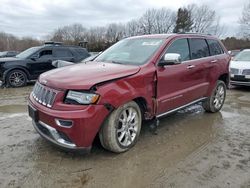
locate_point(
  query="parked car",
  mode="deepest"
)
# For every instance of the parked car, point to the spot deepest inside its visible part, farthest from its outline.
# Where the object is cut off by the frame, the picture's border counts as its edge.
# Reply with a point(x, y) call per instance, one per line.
point(29, 64)
point(233, 53)
point(138, 78)
point(240, 69)
point(8, 54)
point(61, 63)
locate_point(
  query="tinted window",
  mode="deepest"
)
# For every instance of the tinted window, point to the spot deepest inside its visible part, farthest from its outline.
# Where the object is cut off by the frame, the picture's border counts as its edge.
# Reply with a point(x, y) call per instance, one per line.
point(199, 48)
point(82, 52)
point(62, 53)
point(45, 53)
point(214, 47)
point(180, 47)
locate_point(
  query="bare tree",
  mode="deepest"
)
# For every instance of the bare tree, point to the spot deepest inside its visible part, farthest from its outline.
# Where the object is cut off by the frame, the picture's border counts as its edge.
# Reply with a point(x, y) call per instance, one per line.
point(133, 28)
point(202, 17)
point(115, 32)
point(245, 21)
point(164, 21)
point(147, 21)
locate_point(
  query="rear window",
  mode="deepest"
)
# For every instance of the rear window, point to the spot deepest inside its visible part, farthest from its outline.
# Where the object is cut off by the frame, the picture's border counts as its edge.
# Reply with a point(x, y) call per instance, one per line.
point(82, 52)
point(62, 53)
point(214, 47)
point(199, 48)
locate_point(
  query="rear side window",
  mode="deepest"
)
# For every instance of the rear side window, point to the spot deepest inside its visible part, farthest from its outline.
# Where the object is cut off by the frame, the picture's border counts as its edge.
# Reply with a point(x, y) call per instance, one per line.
point(214, 47)
point(62, 53)
point(181, 47)
point(199, 48)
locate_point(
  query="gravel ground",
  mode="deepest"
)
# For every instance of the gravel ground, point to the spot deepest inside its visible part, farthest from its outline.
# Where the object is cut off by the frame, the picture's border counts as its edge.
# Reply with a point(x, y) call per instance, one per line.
point(192, 149)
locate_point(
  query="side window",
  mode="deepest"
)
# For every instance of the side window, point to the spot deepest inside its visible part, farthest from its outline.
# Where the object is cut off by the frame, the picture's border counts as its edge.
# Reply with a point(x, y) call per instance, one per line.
point(62, 53)
point(199, 48)
point(45, 53)
point(181, 47)
point(214, 47)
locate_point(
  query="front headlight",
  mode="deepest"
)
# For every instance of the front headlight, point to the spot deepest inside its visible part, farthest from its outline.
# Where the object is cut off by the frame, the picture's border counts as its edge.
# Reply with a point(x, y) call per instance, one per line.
point(78, 97)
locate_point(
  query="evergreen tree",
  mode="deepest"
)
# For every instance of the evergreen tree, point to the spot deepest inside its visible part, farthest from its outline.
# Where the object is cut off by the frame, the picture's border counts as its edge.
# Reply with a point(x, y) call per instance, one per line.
point(183, 22)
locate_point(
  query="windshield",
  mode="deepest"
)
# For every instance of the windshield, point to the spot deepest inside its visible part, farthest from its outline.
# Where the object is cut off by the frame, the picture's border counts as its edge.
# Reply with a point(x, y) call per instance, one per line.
point(27, 52)
point(243, 56)
point(134, 51)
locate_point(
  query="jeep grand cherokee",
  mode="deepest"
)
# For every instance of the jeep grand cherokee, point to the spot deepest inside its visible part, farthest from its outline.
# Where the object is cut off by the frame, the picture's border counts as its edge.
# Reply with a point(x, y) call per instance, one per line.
point(138, 78)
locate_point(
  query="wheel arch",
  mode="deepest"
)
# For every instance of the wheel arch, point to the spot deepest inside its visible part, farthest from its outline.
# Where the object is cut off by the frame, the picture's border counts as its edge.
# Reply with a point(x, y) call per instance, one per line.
point(225, 78)
point(16, 68)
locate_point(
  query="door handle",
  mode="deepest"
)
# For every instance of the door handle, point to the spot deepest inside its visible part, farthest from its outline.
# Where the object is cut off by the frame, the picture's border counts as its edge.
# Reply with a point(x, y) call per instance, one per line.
point(214, 61)
point(190, 66)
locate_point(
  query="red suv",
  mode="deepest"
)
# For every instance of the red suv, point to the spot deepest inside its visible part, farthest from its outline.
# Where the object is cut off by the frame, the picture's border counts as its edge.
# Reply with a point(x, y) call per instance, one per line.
point(138, 78)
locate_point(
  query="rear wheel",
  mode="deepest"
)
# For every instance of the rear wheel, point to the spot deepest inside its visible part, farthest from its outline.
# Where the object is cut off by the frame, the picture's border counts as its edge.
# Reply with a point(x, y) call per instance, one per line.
point(121, 129)
point(16, 78)
point(215, 102)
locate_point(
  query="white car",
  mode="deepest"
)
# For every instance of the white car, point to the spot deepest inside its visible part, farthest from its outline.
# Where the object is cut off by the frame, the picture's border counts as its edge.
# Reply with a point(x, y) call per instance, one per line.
point(240, 69)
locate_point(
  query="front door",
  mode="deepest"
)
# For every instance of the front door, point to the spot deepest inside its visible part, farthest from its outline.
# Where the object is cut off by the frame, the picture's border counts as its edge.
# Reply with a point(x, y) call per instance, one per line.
point(178, 84)
point(42, 62)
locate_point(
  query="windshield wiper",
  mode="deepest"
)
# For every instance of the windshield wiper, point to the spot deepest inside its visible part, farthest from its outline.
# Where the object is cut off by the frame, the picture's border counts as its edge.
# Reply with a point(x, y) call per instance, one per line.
point(116, 62)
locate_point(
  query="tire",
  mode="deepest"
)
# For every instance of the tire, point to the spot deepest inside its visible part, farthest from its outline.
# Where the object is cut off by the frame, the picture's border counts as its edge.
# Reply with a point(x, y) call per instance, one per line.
point(16, 78)
point(215, 102)
point(118, 134)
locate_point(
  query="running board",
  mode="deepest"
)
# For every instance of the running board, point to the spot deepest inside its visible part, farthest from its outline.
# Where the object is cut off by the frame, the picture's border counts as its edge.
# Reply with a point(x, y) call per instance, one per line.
point(181, 107)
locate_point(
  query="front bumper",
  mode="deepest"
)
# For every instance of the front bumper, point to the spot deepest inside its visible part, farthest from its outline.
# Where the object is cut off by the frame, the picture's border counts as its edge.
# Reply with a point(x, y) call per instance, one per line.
point(241, 80)
point(86, 124)
point(240, 83)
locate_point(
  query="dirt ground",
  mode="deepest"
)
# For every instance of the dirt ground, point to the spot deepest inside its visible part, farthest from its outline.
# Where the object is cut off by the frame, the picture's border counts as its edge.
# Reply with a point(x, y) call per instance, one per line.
point(192, 149)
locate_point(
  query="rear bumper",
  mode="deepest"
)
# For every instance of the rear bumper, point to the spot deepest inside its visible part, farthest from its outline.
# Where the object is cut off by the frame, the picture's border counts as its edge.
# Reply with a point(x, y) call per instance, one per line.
point(85, 125)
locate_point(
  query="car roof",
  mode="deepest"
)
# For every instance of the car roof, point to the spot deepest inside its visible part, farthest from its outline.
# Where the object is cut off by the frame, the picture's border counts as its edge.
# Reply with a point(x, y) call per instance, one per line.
point(173, 35)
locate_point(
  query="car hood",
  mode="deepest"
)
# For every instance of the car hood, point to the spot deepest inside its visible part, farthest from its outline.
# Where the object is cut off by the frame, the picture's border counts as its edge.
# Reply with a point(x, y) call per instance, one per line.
point(9, 59)
point(240, 64)
point(86, 75)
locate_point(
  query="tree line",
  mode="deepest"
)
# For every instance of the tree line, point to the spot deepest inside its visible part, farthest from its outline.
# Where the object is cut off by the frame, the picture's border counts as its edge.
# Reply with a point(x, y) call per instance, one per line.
point(191, 18)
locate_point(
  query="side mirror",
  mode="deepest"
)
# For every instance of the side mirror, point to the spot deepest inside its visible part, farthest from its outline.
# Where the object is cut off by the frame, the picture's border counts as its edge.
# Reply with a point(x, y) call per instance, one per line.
point(230, 52)
point(170, 59)
point(34, 57)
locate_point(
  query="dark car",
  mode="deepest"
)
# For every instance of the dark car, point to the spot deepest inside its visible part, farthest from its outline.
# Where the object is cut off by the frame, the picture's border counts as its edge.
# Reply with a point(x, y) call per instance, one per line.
point(29, 64)
point(8, 54)
point(138, 78)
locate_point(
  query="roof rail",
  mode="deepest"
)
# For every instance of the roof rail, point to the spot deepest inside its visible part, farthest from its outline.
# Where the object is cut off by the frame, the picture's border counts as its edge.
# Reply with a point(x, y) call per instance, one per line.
point(194, 33)
point(53, 43)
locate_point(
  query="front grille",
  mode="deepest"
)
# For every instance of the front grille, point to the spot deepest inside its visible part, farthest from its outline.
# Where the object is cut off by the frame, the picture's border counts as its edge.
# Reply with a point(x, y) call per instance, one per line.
point(234, 71)
point(246, 72)
point(43, 95)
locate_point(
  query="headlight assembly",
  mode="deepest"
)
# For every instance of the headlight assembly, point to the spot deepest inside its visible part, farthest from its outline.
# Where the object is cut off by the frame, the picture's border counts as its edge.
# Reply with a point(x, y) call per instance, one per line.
point(78, 97)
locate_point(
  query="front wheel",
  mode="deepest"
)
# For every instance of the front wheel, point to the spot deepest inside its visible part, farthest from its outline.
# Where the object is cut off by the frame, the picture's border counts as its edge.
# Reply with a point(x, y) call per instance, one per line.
point(121, 129)
point(16, 78)
point(215, 102)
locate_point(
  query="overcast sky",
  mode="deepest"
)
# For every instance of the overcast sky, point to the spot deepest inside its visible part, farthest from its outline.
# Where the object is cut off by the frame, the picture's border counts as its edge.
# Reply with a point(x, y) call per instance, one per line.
point(38, 18)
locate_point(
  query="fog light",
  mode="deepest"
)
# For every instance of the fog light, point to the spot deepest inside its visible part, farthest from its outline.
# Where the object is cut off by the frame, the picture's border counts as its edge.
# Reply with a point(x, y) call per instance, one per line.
point(64, 123)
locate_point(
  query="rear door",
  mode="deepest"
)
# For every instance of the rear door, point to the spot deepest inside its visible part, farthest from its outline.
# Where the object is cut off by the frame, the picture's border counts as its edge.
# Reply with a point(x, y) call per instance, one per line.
point(200, 61)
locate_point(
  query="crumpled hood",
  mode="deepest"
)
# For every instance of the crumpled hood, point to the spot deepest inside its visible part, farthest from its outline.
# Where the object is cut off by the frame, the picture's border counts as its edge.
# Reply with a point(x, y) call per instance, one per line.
point(85, 75)
point(240, 64)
